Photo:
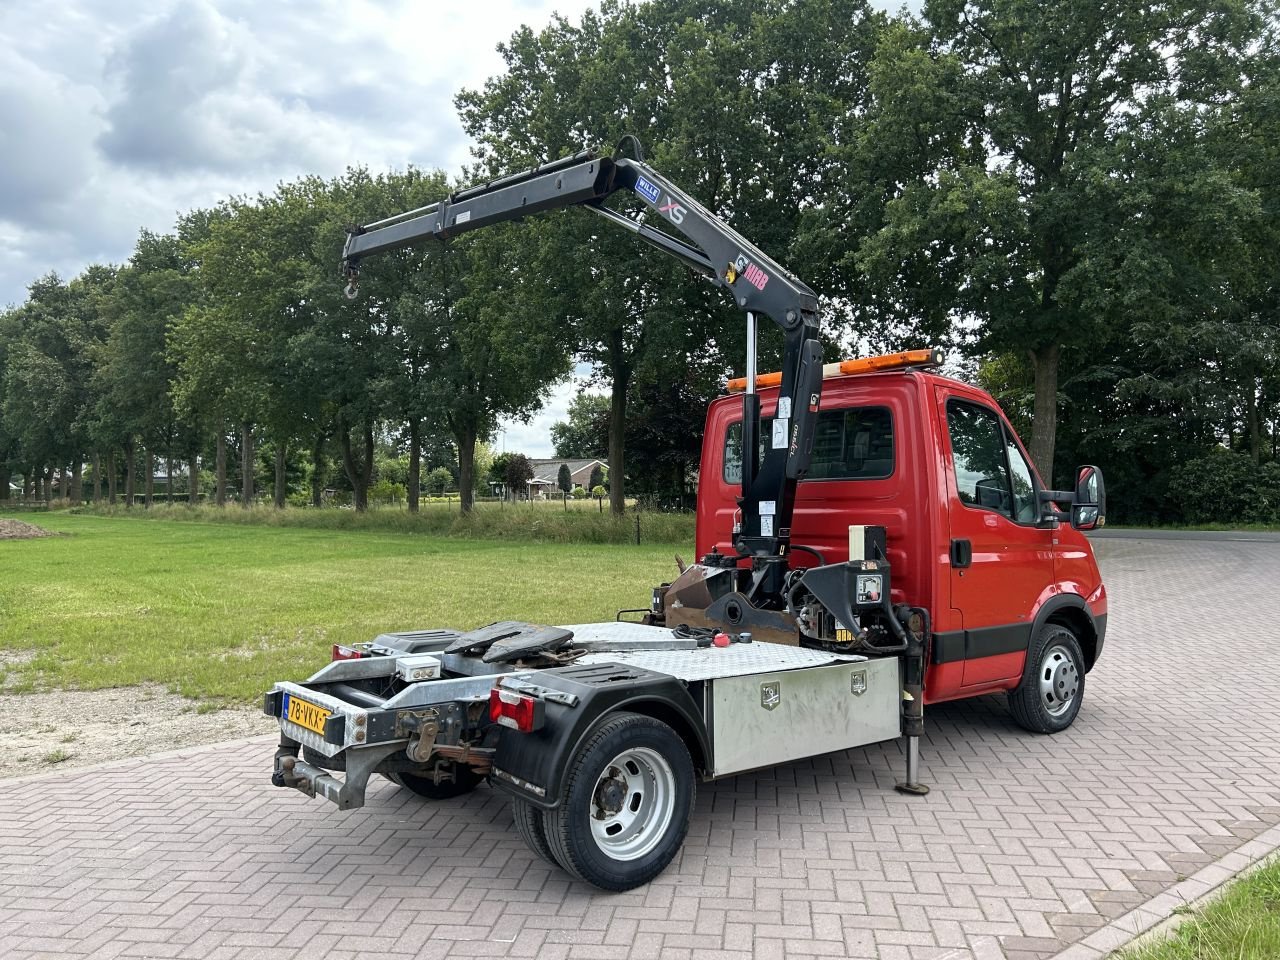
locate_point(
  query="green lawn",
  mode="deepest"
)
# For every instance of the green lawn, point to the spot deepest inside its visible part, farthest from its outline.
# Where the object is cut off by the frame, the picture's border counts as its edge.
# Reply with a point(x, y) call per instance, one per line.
point(1242, 924)
point(218, 611)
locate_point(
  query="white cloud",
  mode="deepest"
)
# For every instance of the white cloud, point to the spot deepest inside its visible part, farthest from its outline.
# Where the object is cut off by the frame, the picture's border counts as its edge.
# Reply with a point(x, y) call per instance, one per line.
point(114, 118)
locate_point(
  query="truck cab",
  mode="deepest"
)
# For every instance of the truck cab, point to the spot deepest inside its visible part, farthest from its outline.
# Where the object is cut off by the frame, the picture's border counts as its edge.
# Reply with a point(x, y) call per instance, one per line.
point(936, 463)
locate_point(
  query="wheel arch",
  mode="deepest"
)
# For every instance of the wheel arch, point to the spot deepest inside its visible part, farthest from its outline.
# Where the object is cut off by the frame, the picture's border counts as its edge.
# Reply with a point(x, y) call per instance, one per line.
point(1070, 610)
point(694, 738)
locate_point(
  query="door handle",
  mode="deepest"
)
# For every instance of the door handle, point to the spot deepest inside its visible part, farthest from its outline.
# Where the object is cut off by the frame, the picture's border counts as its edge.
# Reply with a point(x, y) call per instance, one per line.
point(961, 554)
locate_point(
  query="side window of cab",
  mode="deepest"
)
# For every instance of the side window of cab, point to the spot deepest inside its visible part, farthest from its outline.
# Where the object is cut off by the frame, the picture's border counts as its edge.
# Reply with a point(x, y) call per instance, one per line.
point(991, 472)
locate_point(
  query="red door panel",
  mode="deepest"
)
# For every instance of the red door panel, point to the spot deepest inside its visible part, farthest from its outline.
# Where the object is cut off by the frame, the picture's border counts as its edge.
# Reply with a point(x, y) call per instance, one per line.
point(1009, 568)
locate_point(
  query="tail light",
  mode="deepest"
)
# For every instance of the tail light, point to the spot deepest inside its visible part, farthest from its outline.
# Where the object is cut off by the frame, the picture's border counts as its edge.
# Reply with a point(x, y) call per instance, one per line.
point(346, 653)
point(518, 711)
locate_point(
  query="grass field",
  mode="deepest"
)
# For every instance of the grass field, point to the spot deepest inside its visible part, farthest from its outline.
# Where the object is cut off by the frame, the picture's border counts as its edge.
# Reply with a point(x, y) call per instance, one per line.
point(1242, 924)
point(220, 610)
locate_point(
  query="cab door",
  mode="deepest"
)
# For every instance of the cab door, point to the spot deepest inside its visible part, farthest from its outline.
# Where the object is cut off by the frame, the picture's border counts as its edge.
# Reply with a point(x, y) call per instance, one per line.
point(1001, 564)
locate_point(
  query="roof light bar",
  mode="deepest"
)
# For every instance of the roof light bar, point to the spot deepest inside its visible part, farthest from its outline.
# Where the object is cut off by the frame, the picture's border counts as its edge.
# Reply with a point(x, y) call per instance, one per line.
point(931, 357)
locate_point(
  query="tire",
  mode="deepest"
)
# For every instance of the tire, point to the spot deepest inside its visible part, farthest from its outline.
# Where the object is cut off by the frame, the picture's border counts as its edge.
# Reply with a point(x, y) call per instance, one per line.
point(464, 781)
point(625, 807)
point(1048, 698)
point(531, 824)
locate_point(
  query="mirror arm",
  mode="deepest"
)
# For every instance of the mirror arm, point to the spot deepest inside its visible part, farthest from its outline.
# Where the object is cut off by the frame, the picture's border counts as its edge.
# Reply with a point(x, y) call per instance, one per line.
point(1053, 496)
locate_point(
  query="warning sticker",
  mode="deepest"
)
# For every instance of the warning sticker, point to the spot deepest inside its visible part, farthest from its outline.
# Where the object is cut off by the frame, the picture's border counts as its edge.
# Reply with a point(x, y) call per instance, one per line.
point(463, 217)
point(780, 427)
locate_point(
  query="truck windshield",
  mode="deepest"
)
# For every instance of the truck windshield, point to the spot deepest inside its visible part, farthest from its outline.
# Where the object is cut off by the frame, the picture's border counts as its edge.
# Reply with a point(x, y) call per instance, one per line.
point(855, 443)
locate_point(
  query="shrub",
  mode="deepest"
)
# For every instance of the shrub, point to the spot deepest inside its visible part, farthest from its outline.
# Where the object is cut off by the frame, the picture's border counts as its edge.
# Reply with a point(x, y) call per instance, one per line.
point(579, 493)
point(438, 480)
point(1226, 487)
point(384, 491)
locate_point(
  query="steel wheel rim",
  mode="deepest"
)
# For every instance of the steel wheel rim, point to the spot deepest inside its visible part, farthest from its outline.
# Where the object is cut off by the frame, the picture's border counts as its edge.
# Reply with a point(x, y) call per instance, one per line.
point(632, 803)
point(1059, 680)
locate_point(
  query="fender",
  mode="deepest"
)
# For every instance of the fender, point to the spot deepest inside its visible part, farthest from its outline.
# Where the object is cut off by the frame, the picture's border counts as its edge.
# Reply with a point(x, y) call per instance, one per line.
point(1072, 609)
point(533, 766)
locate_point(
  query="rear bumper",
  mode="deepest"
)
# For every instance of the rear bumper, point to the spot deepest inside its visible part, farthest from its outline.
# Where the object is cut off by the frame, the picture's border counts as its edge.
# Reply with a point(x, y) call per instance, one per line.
point(347, 791)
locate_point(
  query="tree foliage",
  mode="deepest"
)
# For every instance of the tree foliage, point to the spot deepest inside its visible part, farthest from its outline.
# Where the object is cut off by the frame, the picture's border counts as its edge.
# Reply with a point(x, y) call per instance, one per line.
point(1082, 198)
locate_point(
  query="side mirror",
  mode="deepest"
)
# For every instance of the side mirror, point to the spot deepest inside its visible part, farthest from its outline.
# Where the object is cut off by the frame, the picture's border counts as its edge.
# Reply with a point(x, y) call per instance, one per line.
point(1089, 504)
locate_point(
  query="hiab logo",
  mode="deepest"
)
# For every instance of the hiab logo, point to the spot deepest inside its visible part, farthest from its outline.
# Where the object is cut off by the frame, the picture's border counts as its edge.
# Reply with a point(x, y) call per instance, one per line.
point(756, 277)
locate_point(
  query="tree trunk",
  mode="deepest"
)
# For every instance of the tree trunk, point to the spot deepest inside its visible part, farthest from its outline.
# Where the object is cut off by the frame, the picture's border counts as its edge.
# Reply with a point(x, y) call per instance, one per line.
point(130, 473)
point(149, 482)
point(46, 483)
point(415, 463)
point(220, 489)
point(1044, 429)
point(359, 473)
point(617, 436)
point(168, 473)
point(111, 476)
point(28, 486)
point(1253, 419)
point(317, 470)
point(97, 478)
point(367, 477)
point(246, 465)
point(193, 479)
point(77, 481)
point(4, 483)
point(466, 440)
point(282, 451)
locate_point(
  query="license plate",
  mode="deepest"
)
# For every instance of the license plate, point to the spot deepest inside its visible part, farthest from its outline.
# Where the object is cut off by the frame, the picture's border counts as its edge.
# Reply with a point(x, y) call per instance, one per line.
point(306, 714)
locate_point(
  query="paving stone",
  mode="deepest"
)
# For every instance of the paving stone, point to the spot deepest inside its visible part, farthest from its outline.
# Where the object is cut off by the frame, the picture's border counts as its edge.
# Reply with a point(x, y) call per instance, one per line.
point(1026, 845)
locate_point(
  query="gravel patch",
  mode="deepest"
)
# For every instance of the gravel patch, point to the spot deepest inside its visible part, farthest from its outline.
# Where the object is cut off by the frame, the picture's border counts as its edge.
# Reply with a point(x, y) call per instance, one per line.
point(64, 729)
point(21, 530)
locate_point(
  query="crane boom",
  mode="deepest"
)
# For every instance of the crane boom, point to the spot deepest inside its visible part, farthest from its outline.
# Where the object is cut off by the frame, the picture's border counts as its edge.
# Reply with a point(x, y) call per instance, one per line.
point(758, 284)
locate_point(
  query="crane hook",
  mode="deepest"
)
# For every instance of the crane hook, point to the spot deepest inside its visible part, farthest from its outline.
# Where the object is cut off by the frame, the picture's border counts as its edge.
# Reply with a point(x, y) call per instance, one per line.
point(351, 290)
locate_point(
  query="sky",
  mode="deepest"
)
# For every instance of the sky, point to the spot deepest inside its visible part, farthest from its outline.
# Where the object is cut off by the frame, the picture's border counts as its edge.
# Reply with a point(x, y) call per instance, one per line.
point(118, 117)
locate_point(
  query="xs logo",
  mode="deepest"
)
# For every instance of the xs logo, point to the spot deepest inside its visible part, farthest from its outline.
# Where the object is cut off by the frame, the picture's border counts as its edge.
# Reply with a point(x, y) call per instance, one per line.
point(673, 210)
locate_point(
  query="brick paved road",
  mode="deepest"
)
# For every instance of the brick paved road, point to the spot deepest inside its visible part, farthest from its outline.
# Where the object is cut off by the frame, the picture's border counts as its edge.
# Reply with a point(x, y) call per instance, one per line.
point(1025, 845)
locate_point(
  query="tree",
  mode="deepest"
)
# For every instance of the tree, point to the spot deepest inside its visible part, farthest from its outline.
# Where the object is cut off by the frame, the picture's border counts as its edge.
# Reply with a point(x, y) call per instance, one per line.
point(517, 472)
point(488, 360)
point(740, 93)
point(989, 124)
point(597, 477)
point(438, 481)
point(585, 434)
point(47, 391)
point(564, 479)
point(134, 373)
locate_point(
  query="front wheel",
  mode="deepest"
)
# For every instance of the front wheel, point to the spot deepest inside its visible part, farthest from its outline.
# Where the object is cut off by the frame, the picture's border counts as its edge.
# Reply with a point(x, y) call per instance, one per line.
point(1052, 688)
point(625, 808)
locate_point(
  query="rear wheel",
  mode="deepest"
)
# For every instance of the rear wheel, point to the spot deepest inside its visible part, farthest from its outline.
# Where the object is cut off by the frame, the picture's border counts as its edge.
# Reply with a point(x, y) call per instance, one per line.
point(464, 780)
point(625, 808)
point(530, 823)
point(1052, 688)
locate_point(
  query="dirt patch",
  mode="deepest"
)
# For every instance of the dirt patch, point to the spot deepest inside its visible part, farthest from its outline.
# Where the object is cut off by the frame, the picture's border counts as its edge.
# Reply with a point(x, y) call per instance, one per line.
point(64, 729)
point(21, 530)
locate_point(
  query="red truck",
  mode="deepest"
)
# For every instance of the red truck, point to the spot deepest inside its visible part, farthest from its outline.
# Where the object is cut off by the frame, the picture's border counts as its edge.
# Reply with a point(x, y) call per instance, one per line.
point(1017, 603)
point(871, 537)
